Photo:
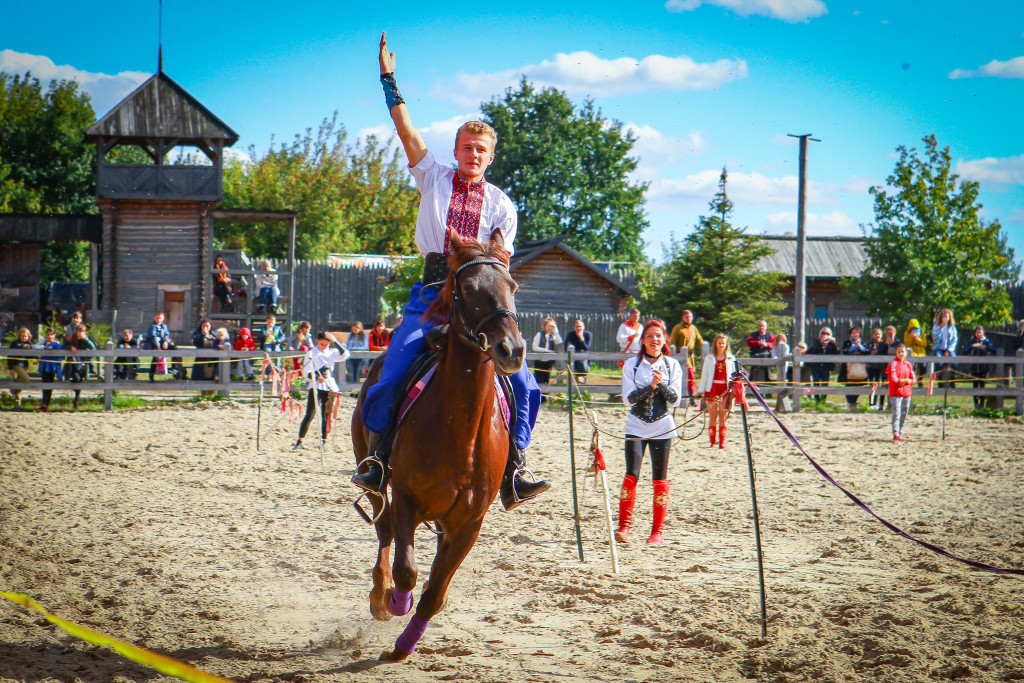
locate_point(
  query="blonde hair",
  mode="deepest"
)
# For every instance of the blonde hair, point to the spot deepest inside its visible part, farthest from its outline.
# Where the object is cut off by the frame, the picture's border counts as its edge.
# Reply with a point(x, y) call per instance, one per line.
point(222, 332)
point(477, 128)
point(714, 344)
point(938, 317)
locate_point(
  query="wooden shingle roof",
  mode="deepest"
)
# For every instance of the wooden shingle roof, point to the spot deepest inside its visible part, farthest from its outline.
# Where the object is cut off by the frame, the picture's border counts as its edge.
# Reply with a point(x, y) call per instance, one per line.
point(160, 108)
point(824, 257)
point(530, 250)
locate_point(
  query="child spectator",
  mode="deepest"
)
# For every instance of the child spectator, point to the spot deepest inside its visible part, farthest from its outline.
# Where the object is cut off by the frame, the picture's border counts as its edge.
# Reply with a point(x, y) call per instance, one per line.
point(245, 342)
point(979, 345)
point(266, 280)
point(72, 326)
point(272, 337)
point(300, 341)
point(221, 340)
point(901, 381)
point(158, 337)
point(379, 337)
point(781, 350)
point(80, 366)
point(357, 340)
point(126, 367)
point(916, 343)
point(18, 367)
point(49, 368)
point(203, 369)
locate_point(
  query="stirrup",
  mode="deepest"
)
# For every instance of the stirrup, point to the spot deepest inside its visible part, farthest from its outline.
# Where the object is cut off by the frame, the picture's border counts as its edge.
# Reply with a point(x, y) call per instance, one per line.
point(515, 499)
point(361, 471)
point(362, 513)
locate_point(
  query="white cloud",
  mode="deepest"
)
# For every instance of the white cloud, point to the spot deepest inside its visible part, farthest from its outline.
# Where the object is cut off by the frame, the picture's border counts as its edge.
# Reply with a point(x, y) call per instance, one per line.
point(835, 223)
point(792, 11)
point(858, 185)
point(655, 149)
point(750, 189)
point(106, 90)
point(583, 73)
point(1000, 171)
point(1013, 68)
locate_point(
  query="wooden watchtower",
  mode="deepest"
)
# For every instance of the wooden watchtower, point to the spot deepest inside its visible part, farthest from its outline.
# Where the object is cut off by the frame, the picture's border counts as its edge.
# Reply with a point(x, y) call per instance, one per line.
point(157, 216)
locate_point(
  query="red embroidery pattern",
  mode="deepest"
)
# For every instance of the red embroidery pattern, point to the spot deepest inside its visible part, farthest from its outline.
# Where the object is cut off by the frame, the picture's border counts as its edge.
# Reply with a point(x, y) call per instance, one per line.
point(464, 210)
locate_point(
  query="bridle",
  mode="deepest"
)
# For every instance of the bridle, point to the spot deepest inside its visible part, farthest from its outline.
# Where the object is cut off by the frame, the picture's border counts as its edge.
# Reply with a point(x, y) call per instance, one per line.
point(468, 329)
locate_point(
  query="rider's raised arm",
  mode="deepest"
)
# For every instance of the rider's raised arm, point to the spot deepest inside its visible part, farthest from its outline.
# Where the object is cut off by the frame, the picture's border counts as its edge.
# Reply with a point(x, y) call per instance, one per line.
point(412, 141)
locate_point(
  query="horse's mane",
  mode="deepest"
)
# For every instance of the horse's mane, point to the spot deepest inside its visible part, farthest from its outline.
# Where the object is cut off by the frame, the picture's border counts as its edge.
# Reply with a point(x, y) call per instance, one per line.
point(469, 250)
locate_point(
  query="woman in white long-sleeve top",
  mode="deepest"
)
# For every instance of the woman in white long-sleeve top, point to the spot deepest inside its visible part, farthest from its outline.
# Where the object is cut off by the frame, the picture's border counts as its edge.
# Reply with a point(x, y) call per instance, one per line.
point(652, 383)
point(318, 366)
point(719, 366)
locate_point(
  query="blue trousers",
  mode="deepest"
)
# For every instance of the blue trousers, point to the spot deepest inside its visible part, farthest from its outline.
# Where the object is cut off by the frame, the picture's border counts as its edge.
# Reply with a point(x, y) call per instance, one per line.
point(407, 343)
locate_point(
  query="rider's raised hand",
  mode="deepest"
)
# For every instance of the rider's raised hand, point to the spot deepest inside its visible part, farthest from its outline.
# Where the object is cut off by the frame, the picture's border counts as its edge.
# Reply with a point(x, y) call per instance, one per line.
point(387, 59)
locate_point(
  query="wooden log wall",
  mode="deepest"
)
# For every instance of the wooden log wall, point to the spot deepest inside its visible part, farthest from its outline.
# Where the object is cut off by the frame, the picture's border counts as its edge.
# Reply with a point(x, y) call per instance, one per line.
point(555, 282)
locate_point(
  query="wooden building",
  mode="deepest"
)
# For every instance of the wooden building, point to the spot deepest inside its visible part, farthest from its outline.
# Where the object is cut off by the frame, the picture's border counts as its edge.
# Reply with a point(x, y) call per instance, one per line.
point(826, 261)
point(157, 216)
point(554, 278)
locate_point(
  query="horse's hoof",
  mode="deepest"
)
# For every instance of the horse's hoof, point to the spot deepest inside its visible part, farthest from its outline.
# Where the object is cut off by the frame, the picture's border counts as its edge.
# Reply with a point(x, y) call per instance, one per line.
point(379, 607)
point(395, 655)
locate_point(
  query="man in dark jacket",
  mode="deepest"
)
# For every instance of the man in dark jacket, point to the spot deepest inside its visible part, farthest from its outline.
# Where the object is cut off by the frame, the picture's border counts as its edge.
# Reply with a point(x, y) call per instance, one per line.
point(580, 340)
point(760, 342)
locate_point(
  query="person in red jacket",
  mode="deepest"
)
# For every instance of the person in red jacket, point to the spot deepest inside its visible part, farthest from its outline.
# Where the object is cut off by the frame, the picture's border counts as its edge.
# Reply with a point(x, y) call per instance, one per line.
point(245, 342)
point(901, 382)
point(379, 337)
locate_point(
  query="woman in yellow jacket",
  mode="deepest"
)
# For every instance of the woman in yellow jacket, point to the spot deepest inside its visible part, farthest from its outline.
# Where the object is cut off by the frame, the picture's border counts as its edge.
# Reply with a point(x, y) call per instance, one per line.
point(916, 342)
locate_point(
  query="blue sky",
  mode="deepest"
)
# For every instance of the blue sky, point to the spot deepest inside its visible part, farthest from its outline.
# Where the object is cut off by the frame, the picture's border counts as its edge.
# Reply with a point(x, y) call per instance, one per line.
point(702, 83)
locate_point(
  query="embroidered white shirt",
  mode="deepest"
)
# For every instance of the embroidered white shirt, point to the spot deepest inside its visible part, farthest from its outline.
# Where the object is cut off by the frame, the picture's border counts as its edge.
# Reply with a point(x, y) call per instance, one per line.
point(316, 359)
point(628, 337)
point(636, 374)
point(434, 182)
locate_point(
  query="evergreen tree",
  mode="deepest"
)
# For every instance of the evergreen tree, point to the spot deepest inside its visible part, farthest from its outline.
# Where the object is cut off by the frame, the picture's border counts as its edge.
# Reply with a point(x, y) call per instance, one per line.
point(929, 248)
point(711, 273)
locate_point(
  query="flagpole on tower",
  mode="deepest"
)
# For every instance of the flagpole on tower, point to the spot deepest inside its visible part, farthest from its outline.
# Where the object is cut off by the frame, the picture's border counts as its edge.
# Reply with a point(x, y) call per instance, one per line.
point(160, 38)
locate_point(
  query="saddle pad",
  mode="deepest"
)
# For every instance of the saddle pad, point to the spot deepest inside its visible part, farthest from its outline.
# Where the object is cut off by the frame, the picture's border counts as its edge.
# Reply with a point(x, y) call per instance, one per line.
point(418, 388)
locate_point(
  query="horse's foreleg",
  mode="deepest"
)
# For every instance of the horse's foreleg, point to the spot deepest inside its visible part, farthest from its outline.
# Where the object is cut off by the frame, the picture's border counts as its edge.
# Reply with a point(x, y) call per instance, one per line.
point(382, 579)
point(452, 550)
point(404, 569)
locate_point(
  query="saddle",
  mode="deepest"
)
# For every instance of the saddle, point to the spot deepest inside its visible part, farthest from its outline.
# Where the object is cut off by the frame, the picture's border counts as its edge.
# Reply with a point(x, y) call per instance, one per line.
point(417, 379)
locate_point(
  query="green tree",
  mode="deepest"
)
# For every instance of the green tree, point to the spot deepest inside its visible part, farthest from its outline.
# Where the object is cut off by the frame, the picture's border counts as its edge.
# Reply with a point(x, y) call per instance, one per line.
point(929, 248)
point(567, 171)
point(711, 273)
point(348, 198)
point(45, 164)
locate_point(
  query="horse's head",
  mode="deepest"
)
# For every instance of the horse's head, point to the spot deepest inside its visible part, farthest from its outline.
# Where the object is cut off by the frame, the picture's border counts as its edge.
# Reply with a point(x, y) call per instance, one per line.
point(478, 301)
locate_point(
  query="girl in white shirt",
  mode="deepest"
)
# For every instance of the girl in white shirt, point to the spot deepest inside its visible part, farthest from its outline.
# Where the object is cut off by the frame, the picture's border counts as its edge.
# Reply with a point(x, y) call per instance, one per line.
point(318, 365)
point(652, 383)
point(546, 341)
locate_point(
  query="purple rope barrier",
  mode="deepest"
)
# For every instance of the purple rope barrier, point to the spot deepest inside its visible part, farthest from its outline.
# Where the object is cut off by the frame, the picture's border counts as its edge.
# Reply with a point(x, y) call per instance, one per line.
point(742, 376)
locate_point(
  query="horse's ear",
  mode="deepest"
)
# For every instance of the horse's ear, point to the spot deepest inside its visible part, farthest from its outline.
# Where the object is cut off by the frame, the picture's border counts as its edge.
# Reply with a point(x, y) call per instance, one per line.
point(453, 237)
point(498, 238)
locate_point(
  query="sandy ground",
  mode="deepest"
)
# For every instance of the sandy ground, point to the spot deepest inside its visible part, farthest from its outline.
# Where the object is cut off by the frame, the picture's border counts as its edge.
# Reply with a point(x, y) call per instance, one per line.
point(166, 528)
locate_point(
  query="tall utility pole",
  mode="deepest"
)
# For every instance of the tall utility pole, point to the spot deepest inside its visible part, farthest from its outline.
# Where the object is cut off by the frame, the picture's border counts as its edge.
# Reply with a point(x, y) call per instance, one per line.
point(800, 299)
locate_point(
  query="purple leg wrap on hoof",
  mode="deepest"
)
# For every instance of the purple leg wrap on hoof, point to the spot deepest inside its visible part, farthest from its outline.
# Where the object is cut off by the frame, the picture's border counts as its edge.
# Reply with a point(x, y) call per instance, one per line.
point(411, 635)
point(400, 603)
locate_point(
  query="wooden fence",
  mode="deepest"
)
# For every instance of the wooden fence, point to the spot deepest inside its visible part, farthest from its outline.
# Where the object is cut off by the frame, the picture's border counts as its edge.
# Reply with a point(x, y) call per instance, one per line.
point(1011, 388)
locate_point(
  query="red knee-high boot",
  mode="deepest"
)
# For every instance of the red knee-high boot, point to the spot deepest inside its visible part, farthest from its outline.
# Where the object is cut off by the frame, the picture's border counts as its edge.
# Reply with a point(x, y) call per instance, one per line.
point(660, 509)
point(721, 436)
point(627, 498)
point(711, 430)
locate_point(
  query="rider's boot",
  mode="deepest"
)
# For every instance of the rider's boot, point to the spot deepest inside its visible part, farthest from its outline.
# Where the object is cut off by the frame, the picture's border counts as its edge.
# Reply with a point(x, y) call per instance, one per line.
point(515, 490)
point(371, 478)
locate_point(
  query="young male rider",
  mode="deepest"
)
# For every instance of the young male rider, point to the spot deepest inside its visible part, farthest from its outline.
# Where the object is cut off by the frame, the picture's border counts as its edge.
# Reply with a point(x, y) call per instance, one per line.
point(466, 203)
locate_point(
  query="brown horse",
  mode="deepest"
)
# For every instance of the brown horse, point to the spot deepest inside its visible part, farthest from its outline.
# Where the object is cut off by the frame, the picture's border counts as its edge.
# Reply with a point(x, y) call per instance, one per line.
point(450, 451)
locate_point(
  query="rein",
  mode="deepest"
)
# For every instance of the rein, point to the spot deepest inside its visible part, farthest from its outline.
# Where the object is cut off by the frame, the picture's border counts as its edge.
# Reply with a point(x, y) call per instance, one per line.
point(469, 329)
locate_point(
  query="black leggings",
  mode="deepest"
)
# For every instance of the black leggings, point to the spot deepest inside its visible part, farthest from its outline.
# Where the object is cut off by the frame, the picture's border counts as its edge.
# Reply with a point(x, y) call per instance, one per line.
point(321, 397)
point(635, 447)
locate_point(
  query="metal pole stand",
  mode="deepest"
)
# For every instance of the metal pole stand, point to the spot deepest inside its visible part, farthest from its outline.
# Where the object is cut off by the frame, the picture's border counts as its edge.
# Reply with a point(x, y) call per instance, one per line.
point(757, 522)
point(572, 460)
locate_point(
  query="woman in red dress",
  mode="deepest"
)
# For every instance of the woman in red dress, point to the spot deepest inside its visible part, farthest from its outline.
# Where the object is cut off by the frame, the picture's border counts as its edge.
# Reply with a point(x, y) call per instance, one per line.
point(719, 366)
